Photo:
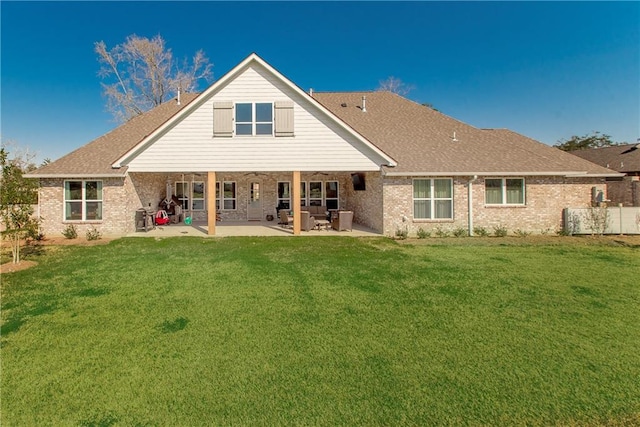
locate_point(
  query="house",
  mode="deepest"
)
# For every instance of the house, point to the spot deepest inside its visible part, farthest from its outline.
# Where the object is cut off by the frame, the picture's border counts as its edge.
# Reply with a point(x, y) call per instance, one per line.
point(625, 159)
point(254, 141)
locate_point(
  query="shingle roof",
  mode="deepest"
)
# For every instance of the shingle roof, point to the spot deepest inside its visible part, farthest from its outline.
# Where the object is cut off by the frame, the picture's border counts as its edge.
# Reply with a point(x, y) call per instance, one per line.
point(622, 158)
point(95, 158)
point(421, 139)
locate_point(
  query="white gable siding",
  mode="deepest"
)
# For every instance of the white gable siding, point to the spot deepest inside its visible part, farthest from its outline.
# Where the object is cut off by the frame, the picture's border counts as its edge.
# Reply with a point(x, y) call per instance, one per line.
point(318, 145)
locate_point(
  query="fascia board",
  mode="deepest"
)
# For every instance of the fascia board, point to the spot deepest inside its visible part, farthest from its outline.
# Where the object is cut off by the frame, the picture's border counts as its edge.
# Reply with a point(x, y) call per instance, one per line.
point(568, 174)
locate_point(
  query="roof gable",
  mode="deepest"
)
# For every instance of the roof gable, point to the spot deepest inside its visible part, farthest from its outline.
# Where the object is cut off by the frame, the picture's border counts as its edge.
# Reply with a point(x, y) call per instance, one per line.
point(253, 63)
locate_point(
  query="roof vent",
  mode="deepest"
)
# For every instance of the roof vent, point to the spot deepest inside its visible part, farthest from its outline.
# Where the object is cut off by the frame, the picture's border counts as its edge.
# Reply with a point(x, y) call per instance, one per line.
point(453, 138)
point(344, 104)
point(310, 91)
point(364, 104)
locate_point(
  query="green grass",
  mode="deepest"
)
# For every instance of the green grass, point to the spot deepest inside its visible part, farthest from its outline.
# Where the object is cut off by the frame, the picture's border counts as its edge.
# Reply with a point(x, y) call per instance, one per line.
point(323, 331)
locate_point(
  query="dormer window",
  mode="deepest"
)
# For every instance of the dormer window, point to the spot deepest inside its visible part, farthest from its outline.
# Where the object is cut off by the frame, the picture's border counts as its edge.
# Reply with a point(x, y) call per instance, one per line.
point(254, 118)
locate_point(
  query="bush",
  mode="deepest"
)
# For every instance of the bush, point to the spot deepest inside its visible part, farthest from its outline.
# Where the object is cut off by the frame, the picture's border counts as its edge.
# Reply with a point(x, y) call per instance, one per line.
point(93, 234)
point(480, 231)
point(36, 235)
point(70, 232)
point(460, 232)
point(440, 232)
point(423, 234)
point(499, 231)
point(522, 233)
point(402, 233)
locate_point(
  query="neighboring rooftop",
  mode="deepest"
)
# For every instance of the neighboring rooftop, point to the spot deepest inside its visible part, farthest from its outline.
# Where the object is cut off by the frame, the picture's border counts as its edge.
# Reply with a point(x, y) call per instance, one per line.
point(621, 158)
point(422, 139)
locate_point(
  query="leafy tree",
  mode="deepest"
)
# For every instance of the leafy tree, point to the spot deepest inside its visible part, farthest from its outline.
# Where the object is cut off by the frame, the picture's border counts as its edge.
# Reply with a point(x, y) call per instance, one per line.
point(395, 85)
point(17, 197)
point(143, 74)
point(593, 140)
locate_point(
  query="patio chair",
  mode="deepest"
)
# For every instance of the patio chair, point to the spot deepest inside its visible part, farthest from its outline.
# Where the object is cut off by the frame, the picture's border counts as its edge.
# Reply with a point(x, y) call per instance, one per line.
point(343, 221)
point(308, 221)
point(285, 219)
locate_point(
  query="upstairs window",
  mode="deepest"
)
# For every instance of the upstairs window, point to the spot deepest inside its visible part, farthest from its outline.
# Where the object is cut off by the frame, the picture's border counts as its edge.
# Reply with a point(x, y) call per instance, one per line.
point(254, 118)
point(504, 191)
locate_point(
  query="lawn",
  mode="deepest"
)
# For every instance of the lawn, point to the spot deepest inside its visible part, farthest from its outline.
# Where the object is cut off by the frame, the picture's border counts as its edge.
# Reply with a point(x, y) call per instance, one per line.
point(323, 331)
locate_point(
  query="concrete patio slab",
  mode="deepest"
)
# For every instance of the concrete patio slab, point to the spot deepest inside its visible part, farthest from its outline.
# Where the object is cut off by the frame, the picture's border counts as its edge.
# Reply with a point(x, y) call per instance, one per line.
point(246, 228)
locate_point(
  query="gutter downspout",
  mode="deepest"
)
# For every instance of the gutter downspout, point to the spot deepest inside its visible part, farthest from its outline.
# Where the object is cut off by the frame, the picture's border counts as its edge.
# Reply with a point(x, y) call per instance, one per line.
point(470, 201)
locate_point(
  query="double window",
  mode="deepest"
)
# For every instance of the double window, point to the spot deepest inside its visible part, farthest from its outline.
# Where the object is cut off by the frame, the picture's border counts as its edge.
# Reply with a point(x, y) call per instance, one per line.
point(254, 118)
point(504, 191)
point(433, 198)
point(83, 200)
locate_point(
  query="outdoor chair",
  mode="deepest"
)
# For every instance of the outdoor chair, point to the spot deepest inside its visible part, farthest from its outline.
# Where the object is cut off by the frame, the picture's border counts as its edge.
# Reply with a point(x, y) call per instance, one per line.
point(285, 219)
point(308, 222)
point(343, 221)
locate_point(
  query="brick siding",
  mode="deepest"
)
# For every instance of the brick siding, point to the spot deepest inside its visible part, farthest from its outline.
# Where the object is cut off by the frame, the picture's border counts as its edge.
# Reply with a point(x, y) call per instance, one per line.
point(546, 197)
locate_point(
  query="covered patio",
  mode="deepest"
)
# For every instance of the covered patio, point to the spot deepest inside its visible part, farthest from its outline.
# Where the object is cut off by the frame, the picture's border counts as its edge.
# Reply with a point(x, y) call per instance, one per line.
point(247, 228)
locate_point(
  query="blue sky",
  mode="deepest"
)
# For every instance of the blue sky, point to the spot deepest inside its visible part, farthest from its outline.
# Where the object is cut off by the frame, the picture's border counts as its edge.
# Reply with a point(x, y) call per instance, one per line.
point(545, 69)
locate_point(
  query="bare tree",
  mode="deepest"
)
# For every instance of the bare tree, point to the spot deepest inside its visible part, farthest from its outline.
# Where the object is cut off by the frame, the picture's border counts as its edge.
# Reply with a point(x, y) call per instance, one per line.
point(395, 85)
point(143, 74)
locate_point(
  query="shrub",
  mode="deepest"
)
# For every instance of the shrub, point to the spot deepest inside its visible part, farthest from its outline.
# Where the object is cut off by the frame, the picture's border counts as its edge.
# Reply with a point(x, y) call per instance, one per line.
point(460, 232)
point(36, 235)
point(423, 234)
point(402, 233)
point(70, 232)
point(93, 234)
point(440, 232)
point(499, 231)
point(480, 231)
point(522, 233)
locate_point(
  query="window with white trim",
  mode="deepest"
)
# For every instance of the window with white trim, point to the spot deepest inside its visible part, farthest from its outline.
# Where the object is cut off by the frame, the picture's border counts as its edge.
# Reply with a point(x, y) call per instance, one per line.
point(197, 196)
point(83, 200)
point(254, 118)
point(433, 198)
point(303, 193)
point(229, 196)
point(315, 193)
point(331, 194)
point(504, 191)
point(182, 193)
point(284, 195)
point(218, 196)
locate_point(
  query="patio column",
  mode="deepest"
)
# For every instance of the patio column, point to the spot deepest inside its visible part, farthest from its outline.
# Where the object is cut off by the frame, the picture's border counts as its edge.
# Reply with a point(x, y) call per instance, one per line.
point(296, 203)
point(211, 203)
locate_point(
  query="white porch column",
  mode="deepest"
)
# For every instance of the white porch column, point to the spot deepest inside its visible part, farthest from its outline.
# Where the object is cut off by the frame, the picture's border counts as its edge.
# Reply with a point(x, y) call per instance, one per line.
point(296, 203)
point(211, 203)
